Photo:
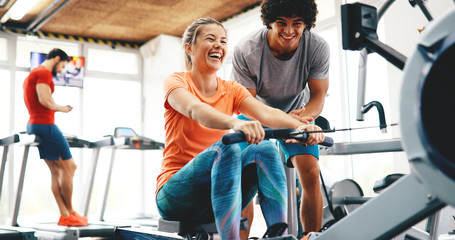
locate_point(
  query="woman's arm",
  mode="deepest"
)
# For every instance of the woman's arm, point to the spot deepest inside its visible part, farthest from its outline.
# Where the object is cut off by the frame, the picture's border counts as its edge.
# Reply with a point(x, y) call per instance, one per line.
point(190, 106)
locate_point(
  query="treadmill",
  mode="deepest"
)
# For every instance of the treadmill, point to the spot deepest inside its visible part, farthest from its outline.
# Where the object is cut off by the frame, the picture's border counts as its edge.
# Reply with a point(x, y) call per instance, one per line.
point(11, 232)
point(50, 230)
point(129, 139)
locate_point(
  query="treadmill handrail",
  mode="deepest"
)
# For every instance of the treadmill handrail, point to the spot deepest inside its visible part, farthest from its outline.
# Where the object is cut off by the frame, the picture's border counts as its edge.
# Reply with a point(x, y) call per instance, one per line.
point(74, 141)
point(108, 141)
point(9, 140)
point(29, 139)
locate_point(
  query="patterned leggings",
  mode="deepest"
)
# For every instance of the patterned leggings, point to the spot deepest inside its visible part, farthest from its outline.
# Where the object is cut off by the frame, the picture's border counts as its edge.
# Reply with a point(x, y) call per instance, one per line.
point(220, 181)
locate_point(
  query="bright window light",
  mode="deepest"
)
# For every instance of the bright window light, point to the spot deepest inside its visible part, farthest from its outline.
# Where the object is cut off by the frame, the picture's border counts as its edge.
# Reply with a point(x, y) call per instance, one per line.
point(20, 8)
point(3, 49)
point(113, 61)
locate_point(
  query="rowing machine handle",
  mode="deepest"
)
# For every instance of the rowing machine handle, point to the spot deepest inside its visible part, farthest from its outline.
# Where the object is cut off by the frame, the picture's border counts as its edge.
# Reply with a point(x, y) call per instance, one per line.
point(237, 137)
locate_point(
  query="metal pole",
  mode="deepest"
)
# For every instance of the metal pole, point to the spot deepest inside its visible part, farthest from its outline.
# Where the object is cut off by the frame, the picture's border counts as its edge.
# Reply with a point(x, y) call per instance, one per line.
point(91, 180)
point(106, 187)
point(20, 187)
point(2, 168)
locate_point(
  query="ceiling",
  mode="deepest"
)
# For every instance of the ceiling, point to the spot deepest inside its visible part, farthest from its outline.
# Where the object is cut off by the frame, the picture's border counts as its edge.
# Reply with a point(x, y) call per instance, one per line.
point(134, 21)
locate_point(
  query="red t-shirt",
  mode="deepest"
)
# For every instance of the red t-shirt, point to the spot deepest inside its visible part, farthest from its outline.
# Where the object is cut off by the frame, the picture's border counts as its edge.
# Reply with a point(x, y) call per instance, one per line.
point(185, 138)
point(38, 113)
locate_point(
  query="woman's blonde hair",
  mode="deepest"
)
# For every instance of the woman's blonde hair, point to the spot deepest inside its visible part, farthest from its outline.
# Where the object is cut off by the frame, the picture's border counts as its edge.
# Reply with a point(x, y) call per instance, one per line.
point(191, 33)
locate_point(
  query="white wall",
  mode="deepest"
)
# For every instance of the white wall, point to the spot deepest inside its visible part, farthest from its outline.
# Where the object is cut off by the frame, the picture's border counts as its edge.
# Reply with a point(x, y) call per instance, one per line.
point(162, 56)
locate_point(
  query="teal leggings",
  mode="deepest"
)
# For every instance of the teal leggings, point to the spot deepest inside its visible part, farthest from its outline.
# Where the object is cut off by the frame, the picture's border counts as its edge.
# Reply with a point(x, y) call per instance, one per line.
point(220, 181)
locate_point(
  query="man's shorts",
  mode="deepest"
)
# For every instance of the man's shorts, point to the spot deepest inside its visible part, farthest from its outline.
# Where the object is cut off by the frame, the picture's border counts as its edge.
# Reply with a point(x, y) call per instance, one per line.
point(53, 144)
point(290, 149)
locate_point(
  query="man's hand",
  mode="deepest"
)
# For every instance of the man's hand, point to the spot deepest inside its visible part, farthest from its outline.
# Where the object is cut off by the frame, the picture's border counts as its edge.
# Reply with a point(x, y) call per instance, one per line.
point(66, 108)
point(298, 114)
point(313, 138)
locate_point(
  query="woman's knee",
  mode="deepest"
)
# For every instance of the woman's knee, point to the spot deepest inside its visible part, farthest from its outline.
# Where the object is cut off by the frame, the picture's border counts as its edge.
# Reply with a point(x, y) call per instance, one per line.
point(232, 148)
point(269, 147)
point(263, 146)
point(231, 152)
point(262, 151)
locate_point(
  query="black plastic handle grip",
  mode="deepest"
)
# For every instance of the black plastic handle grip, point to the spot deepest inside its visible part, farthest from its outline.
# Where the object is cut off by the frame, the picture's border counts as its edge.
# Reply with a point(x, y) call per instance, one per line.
point(290, 133)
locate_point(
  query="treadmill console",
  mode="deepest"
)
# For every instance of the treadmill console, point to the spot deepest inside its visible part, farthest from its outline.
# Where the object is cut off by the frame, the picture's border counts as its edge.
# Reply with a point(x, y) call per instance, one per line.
point(125, 132)
point(136, 141)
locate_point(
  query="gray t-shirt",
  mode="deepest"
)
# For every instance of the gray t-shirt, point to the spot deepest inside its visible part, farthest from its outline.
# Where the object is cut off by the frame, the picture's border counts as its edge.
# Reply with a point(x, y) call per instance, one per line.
point(280, 84)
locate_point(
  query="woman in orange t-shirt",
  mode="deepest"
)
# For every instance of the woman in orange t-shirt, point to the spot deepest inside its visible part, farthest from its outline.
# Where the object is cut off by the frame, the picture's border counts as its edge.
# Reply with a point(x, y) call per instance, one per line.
point(201, 179)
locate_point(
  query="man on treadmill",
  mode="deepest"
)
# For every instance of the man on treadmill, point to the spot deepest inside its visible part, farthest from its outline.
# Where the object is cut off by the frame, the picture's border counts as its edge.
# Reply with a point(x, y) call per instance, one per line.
point(53, 148)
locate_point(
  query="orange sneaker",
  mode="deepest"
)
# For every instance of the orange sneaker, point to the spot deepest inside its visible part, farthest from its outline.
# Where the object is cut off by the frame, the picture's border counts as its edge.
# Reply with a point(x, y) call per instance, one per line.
point(76, 215)
point(70, 221)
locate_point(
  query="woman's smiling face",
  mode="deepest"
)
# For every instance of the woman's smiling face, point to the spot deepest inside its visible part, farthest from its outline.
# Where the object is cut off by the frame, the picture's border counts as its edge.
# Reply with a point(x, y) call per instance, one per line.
point(209, 48)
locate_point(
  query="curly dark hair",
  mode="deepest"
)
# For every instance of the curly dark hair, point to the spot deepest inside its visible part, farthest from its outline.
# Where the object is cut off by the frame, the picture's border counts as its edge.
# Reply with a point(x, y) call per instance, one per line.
point(272, 9)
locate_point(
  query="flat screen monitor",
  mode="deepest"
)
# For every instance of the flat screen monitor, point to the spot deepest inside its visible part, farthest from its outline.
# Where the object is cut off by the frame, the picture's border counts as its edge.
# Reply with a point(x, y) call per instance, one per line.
point(71, 76)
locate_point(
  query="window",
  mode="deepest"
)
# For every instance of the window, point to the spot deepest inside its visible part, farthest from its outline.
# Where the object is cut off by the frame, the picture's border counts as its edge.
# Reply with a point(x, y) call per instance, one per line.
point(4, 132)
point(108, 104)
point(332, 107)
point(27, 45)
point(68, 122)
point(5, 96)
point(20, 111)
point(326, 9)
point(3, 49)
point(113, 61)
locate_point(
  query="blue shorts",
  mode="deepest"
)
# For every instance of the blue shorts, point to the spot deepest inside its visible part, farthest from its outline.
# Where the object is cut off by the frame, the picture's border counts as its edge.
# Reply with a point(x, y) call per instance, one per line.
point(53, 144)
point(290, 149)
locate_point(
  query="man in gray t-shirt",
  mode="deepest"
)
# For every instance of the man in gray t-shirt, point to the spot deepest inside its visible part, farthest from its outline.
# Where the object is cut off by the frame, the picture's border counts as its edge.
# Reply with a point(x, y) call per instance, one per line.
point(286, 66)
point(280, 83)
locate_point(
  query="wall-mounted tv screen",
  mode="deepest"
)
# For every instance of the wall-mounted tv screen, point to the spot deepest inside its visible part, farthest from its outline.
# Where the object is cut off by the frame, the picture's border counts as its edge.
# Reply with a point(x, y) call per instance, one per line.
point(71, 76)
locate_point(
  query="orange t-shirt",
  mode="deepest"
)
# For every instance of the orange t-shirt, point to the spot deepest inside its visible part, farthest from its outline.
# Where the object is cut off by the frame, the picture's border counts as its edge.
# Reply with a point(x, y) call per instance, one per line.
point(185, 138)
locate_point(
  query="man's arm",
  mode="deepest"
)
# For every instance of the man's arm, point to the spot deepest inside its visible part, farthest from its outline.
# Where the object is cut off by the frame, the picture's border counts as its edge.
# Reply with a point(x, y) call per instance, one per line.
point(318, 91)
point(45, 98)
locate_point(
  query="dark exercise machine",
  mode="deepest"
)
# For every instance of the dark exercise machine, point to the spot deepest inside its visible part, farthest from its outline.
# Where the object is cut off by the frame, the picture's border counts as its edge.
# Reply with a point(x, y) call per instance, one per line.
point(11, 232)
point(51, 230)
point(363, 108)
point(427, 114)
